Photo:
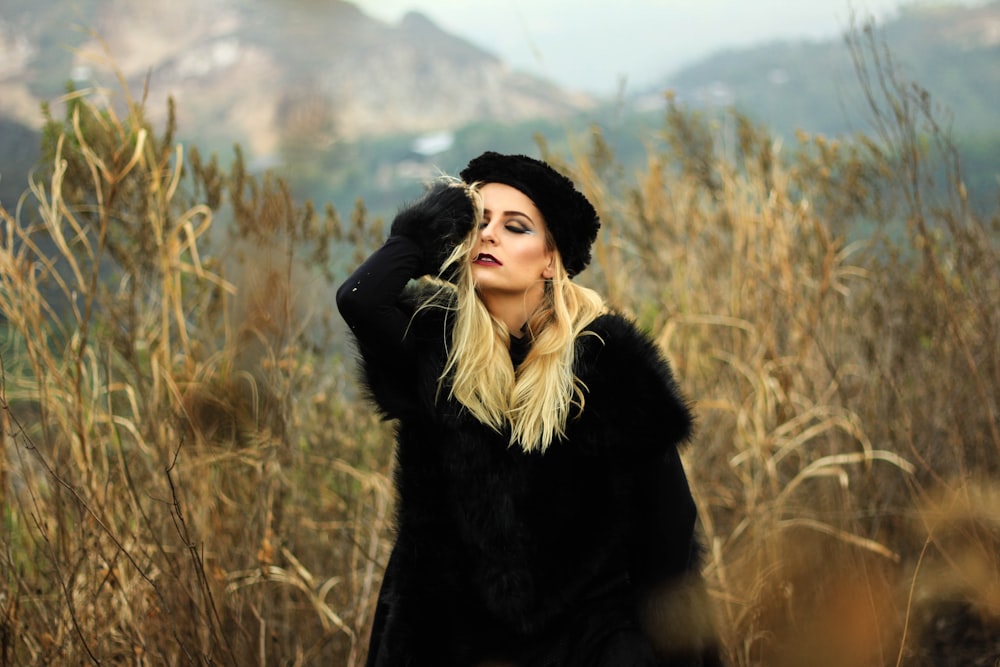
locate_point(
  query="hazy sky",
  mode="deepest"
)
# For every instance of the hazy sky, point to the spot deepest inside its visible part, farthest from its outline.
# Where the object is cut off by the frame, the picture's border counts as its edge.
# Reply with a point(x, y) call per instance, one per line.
point(593, 45)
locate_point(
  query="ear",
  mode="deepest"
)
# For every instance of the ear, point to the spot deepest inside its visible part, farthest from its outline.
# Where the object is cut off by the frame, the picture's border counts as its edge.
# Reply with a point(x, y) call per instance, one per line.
point(550, 268)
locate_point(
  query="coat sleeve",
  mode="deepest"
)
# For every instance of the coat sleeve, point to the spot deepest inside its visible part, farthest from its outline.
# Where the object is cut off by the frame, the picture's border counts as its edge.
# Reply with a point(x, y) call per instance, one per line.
point(371, 302)
point(422, 235)
point(649, 422)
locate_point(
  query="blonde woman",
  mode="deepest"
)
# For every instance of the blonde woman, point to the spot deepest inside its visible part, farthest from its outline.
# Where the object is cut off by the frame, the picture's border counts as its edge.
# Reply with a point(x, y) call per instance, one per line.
point(543, 514)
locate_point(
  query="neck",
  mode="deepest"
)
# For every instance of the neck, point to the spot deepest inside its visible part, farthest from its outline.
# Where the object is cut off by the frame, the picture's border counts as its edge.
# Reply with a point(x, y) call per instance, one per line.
point(513, 309)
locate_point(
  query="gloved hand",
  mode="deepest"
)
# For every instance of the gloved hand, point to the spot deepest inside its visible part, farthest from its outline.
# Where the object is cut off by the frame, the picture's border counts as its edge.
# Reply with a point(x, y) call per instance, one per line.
point(438, 221)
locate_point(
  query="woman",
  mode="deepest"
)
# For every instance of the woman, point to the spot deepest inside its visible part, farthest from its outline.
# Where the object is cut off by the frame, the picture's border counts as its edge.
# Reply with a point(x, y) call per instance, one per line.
point(543, 515)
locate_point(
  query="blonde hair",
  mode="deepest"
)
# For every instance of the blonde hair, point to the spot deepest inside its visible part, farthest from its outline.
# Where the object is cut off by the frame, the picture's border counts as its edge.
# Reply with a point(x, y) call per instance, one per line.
point(535, 401)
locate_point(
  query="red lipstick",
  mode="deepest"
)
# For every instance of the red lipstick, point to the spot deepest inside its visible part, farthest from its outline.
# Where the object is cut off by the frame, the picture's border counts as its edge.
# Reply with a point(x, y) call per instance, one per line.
point(486, 259)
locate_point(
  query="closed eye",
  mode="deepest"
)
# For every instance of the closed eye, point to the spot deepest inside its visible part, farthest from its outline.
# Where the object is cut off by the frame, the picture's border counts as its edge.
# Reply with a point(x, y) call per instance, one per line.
point(515, 227)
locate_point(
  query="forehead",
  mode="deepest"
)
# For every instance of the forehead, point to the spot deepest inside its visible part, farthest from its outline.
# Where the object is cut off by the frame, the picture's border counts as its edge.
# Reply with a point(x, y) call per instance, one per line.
point(506, 198)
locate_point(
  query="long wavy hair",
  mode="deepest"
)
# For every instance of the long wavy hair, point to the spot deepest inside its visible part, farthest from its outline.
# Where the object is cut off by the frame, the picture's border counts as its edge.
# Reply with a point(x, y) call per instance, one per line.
point(536, 400)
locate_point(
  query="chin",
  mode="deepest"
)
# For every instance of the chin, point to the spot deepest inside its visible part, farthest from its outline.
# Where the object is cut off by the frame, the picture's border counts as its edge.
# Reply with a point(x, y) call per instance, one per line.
point(484, 281)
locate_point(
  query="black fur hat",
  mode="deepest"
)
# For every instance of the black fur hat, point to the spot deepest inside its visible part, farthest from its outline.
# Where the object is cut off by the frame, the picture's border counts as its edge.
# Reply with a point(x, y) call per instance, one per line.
point(569, 216)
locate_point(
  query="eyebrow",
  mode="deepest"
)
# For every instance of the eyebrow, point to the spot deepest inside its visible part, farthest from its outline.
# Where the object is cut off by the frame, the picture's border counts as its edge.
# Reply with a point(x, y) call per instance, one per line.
point(512, 213)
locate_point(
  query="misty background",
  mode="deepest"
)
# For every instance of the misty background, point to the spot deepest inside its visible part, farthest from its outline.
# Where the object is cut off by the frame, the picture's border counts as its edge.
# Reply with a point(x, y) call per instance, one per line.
point(368, 100)
point(597, 47)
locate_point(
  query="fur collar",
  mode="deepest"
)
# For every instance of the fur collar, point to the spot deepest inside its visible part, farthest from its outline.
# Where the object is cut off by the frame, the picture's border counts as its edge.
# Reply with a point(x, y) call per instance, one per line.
point(629, 385)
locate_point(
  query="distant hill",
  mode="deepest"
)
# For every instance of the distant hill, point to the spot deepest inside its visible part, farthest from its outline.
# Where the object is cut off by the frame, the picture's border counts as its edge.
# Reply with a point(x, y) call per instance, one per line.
point(952, 51)
point(266, 71)
point(347, 106)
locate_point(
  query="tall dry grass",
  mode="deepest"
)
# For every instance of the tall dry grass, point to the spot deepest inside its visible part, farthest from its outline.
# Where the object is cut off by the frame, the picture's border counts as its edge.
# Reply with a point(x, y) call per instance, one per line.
point(184, 478)
point(832, 307)
point(189, 475)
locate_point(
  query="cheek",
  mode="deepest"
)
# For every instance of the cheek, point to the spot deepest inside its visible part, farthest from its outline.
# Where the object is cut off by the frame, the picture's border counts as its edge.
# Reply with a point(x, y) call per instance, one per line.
point(533, 253)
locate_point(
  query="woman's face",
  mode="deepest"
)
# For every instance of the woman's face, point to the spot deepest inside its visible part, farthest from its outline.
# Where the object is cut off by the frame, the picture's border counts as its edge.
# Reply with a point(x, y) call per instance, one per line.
point(512, 256)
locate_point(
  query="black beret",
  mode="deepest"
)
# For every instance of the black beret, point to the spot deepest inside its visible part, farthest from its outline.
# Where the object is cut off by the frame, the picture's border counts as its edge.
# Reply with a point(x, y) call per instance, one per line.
point(569, 216)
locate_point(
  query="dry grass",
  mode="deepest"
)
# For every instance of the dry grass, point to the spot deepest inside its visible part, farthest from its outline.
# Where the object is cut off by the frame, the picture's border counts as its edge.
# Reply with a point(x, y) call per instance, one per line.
point(190, 477)
point(183, 480)
point(833, 310)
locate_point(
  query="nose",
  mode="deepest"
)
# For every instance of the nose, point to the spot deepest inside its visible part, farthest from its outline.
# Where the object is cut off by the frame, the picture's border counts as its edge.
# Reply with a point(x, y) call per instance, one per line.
point(486, 234)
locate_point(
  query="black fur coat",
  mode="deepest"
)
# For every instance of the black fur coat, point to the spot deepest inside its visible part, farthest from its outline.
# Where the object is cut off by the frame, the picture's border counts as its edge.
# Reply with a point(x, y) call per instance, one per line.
point(582, 555)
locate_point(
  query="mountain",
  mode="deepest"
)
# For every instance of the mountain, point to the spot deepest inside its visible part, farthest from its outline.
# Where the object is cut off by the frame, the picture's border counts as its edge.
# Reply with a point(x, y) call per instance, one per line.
point(952, 51)
point(348, 106)
point(266, 72)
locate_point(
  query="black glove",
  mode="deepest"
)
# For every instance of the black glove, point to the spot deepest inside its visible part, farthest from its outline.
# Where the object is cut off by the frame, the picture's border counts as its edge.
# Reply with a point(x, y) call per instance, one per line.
point(438, 221)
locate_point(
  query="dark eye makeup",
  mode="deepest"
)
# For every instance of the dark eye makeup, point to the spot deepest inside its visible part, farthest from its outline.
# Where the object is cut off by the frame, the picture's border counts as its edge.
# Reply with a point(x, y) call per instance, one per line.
point(514, 225)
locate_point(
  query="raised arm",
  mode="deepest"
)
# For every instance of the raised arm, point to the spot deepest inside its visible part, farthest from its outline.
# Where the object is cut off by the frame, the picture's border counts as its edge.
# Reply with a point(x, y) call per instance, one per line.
point(369, 299)
point(422, 236)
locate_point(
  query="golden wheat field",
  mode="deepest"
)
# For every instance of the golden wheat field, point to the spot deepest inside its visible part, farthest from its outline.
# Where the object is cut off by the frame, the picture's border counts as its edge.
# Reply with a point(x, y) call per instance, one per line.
point(190, 476)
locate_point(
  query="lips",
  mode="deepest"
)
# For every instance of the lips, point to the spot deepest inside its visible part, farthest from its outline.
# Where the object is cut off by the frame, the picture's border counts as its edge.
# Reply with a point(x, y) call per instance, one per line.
point(486, 259)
